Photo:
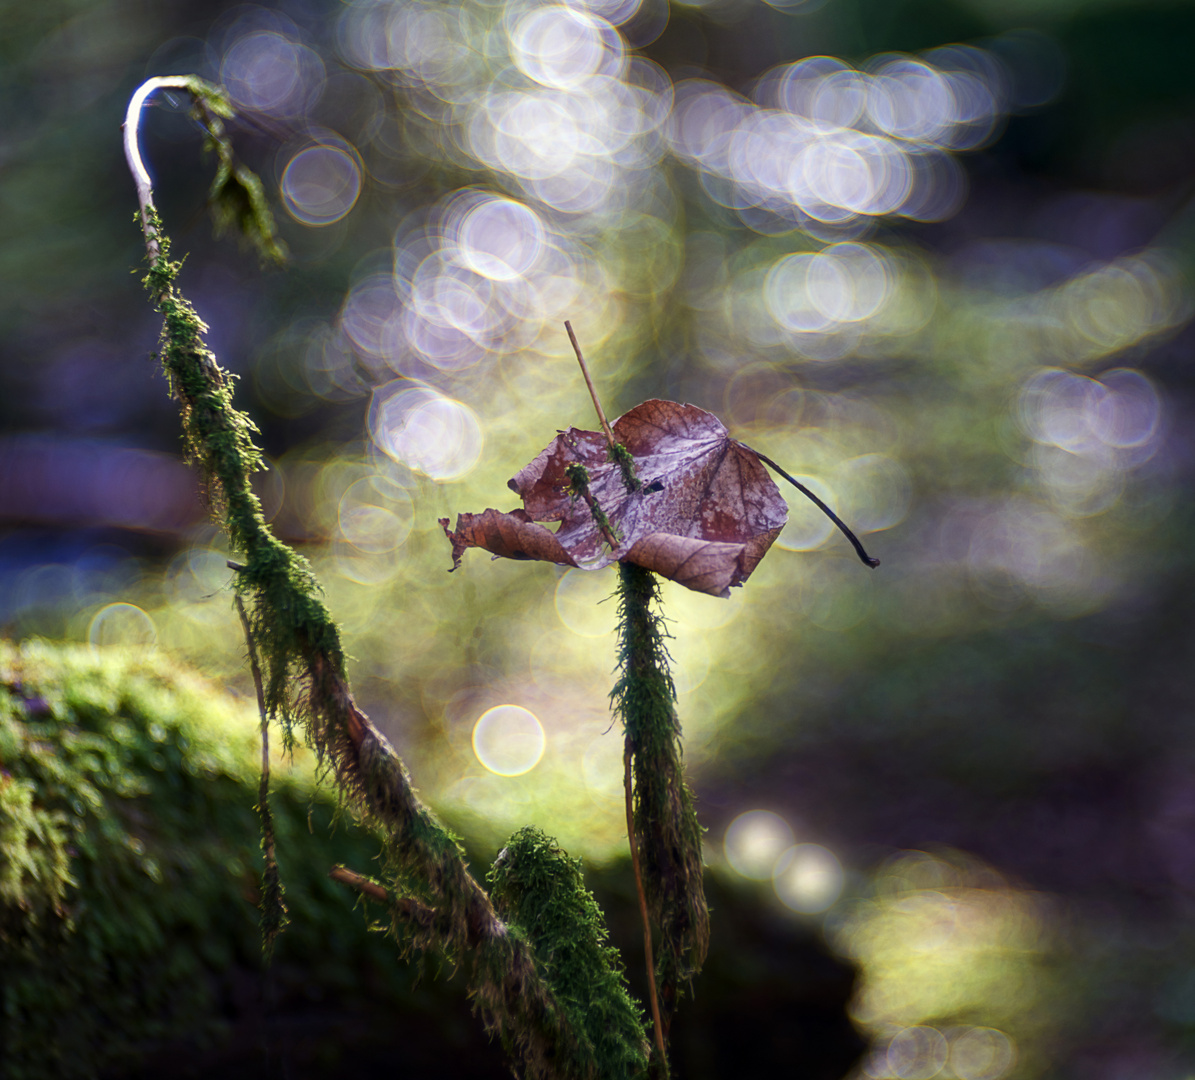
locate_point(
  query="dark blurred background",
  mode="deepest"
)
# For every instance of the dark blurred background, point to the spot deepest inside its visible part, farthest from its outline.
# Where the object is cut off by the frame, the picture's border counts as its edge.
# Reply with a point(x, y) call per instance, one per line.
point(932, 256)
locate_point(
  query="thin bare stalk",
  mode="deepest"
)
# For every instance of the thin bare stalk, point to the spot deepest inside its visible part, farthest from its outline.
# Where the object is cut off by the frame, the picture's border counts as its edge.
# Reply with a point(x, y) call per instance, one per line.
point(273, 908)
point(656, 1023)
point(589, 383)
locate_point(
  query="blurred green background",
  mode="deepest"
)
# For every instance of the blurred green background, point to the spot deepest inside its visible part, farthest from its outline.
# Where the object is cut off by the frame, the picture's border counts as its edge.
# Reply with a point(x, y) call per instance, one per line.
point(933, 257)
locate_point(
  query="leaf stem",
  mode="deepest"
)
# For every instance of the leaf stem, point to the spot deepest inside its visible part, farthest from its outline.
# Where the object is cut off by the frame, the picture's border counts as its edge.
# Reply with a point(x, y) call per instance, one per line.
point(867, 559)
point(589, 383)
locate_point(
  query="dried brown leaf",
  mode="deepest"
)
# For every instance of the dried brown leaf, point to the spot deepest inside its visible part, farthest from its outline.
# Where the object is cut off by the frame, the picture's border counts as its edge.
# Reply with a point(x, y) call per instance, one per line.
point(704, 514)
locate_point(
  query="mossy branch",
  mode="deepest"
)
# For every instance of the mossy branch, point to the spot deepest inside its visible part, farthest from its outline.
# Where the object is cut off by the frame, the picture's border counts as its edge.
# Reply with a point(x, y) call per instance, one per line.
point(300, 647)
point(667, 833)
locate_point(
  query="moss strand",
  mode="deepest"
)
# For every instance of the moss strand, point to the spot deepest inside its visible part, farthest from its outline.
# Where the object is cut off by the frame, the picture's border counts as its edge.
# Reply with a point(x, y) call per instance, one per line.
point(300, 645)
point(667, 833)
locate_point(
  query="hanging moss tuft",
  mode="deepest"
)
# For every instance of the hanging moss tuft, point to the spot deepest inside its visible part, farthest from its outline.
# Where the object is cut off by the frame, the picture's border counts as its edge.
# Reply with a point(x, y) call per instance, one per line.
point(667, 832)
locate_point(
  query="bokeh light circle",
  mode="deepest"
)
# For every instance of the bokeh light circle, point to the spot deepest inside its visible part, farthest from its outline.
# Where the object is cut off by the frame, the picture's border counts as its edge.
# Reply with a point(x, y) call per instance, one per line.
point(917, 1053)
point(981, 1053)
point(509, 740)
point(375, 515)
point(808, 878)
point(320, 184)
point(268, 72)
point(878, 492)
point(1121, 410)
point(1129, 415)
point(579, 600)
point(425, 430)
point(122, 624)
point(562, 47)
point(754, 841)
point(602, 769)
point(500, 238)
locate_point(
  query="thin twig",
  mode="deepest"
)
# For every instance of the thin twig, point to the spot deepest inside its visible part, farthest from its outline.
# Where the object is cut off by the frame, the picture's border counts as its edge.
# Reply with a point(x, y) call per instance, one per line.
point(653, 997)
point(579, 478)
point(132, 153)
point(412, 910)
point(362, 884)
point(273, 909)
point(589, 383)
point(867, 559)
point(261, 694)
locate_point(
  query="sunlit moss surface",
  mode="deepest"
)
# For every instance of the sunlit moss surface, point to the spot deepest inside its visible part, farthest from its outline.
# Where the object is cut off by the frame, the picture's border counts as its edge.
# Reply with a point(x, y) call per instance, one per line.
point(129, 860)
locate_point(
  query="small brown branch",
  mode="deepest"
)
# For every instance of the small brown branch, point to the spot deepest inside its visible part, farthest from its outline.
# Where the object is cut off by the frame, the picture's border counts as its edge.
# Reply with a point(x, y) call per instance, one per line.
point(653, 997)
point(599, 517)
point(411, 910)
point(362, 884)
point(589, 383)
point(255, 667)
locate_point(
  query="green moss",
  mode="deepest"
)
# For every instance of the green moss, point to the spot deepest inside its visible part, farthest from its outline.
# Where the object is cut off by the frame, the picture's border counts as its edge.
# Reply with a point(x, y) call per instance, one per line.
point(667, 832)
point(626, 464)
point(288, 618)
point(578, 478)
point(538, 888)
point(236, 199)
point(129, 861)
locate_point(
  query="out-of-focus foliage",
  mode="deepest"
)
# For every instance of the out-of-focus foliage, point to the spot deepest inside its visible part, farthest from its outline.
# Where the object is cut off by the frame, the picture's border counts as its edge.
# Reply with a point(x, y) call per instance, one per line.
point(961, 970)
point(929, 256)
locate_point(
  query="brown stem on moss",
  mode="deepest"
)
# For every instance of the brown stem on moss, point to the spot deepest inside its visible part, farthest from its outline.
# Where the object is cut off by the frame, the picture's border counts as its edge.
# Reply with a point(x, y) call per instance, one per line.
point(656, 1023)
point(599, 516)
point(411, 911)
